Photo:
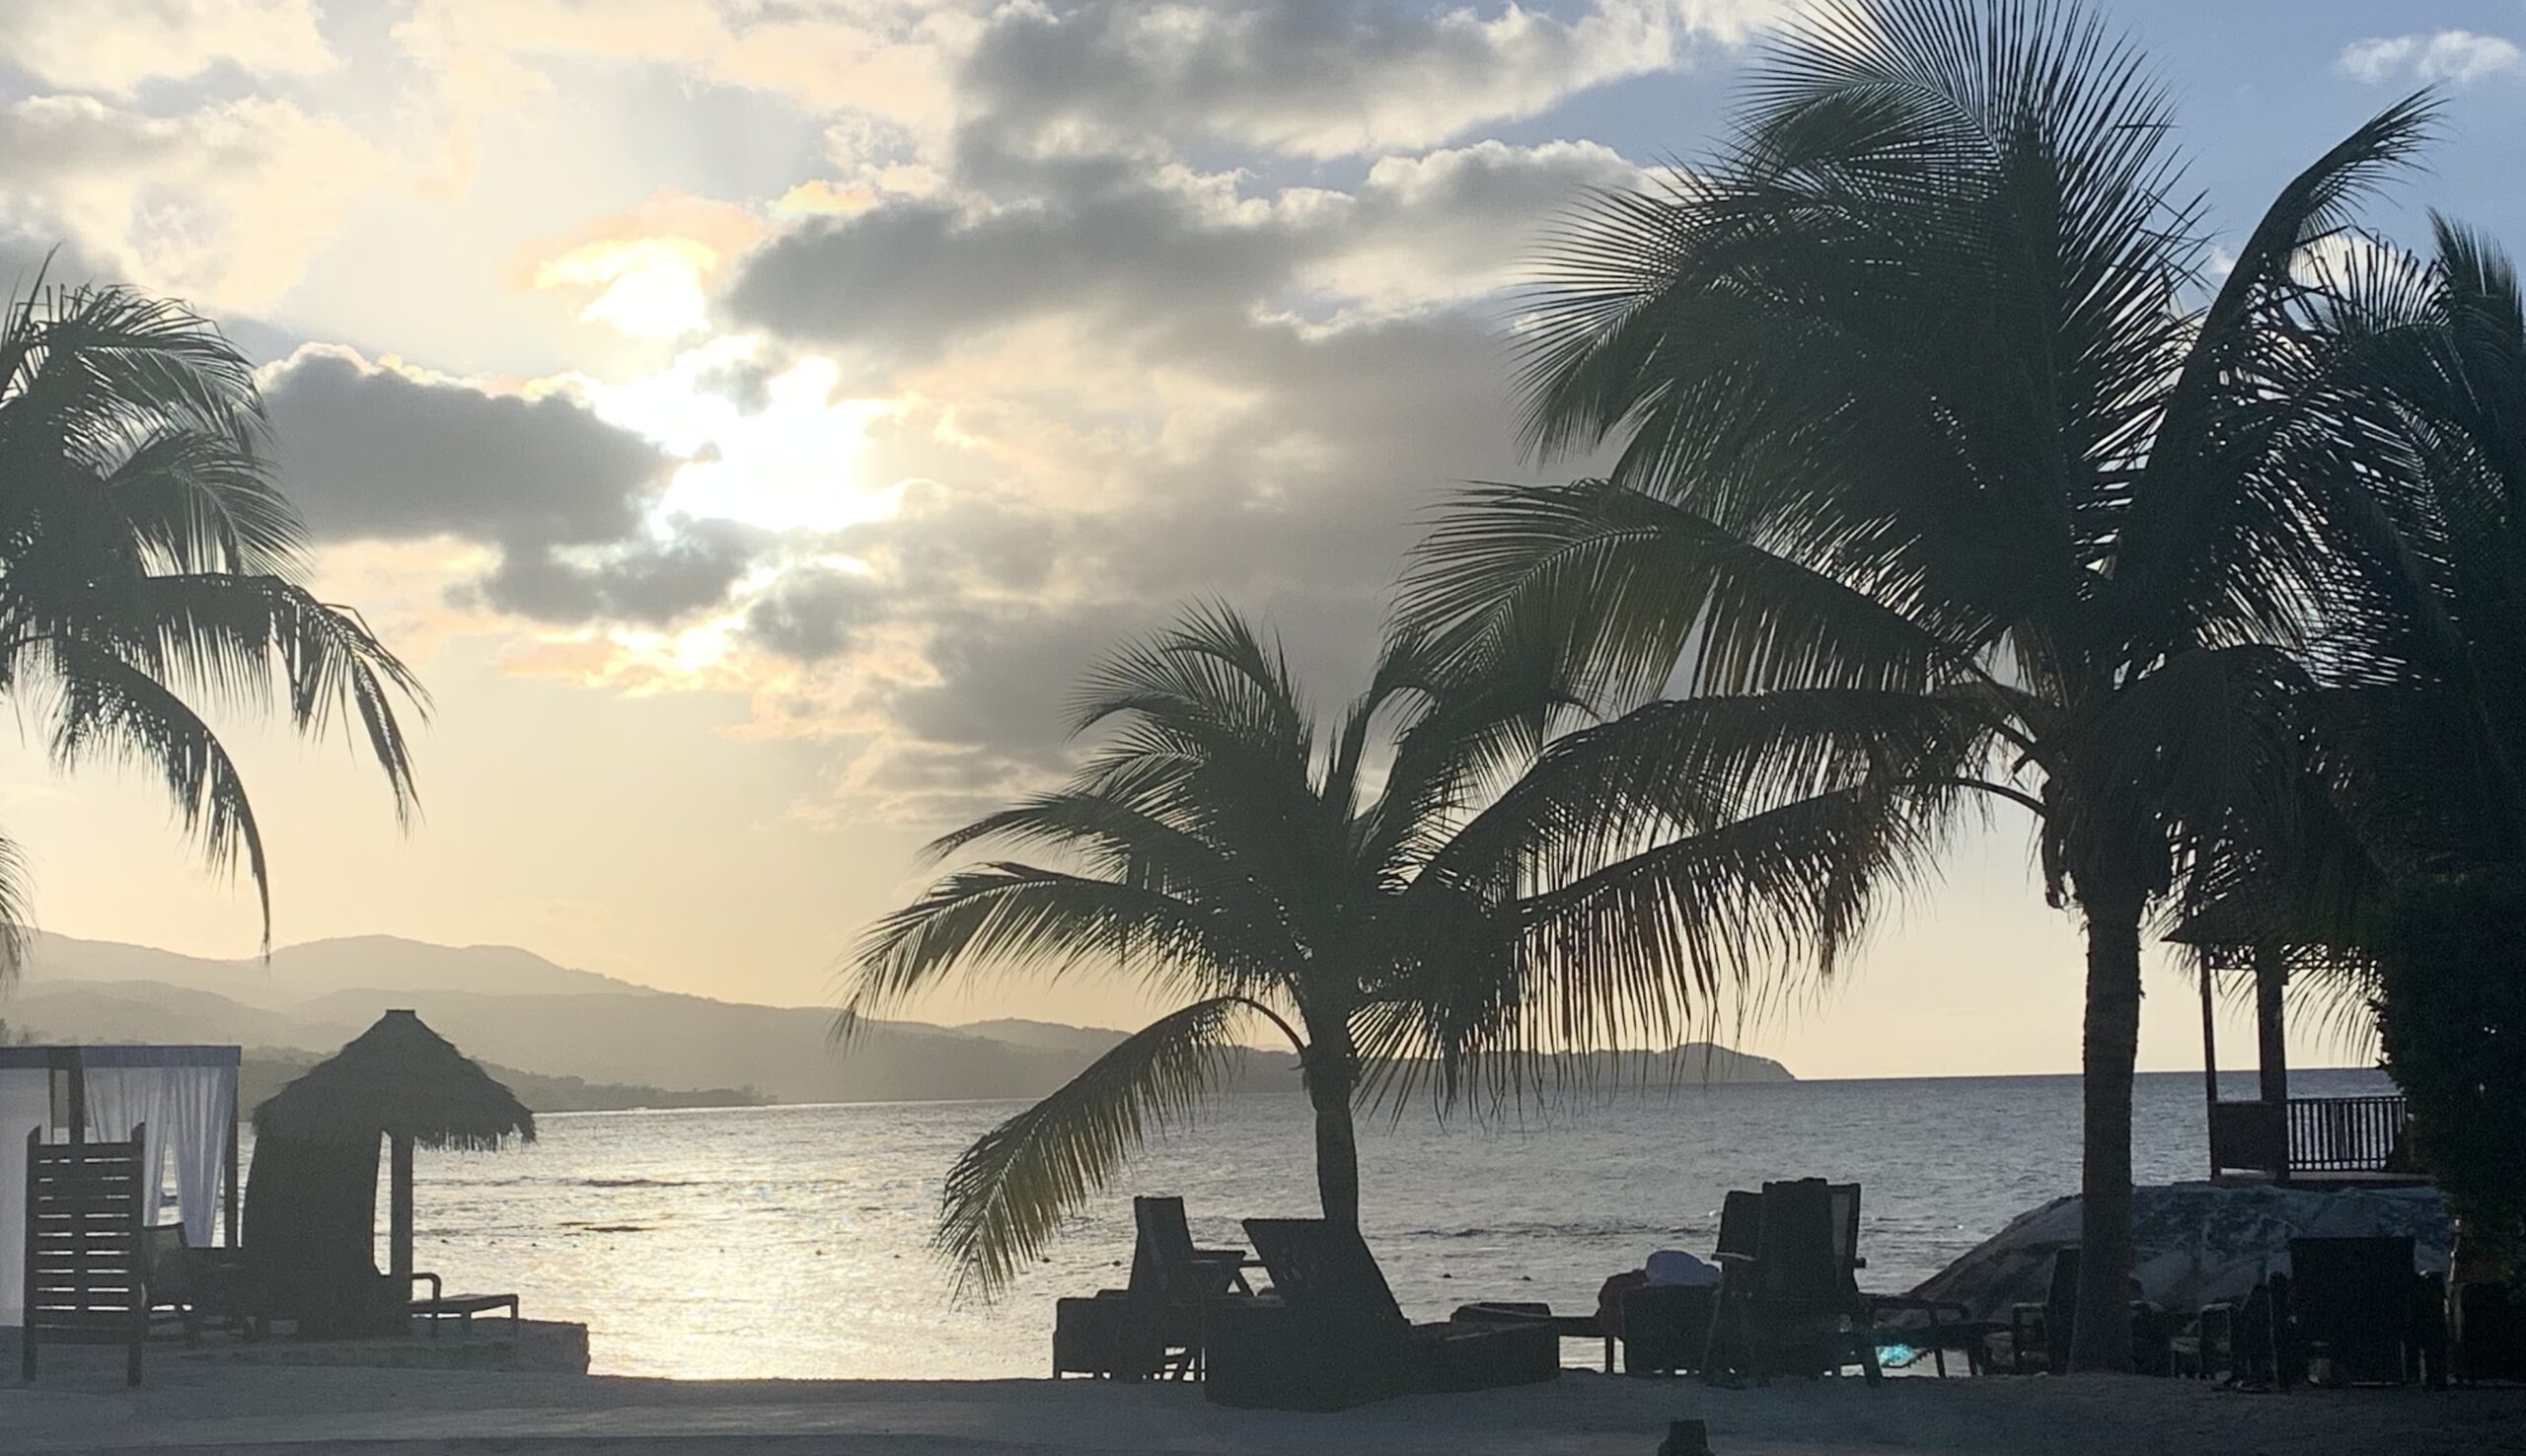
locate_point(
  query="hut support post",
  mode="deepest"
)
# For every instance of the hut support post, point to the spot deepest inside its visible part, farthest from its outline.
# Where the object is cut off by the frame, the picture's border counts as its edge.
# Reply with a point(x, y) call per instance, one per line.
point(2270, 983)
point(2209, 1054)
point(234, 1189)
point(400, 1213)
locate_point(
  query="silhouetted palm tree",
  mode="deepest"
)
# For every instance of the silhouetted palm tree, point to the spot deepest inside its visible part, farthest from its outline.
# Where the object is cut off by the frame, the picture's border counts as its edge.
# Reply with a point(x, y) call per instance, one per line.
point(2420, 718)
point(1929, 437)
point(1397, 900)
point(150, 570)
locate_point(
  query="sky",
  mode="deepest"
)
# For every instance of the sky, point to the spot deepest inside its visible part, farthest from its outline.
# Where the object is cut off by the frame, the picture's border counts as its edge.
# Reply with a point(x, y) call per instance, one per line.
point(750, 417)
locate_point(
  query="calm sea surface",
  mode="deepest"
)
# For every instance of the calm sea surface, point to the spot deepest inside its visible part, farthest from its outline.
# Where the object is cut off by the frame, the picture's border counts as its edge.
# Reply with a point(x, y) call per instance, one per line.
point(792, 1241)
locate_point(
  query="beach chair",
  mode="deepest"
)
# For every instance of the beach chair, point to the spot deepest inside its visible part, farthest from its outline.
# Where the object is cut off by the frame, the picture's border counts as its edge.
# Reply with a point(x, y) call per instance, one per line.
point(2046, 1326)
point(170, 1273)
point(1155, 1326)
point(1666, 1328)
point(1936, 1325)
point(2360, 1313)
point(1329, 1334)
point(1794, 1307)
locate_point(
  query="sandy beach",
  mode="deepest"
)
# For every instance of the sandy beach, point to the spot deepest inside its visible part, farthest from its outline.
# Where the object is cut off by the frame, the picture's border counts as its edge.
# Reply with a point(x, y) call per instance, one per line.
point(210, 1405)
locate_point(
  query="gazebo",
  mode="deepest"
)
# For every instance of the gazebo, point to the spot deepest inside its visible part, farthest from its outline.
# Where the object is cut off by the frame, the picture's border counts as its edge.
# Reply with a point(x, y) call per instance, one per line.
point(2298, 1141)
point(311, 1195)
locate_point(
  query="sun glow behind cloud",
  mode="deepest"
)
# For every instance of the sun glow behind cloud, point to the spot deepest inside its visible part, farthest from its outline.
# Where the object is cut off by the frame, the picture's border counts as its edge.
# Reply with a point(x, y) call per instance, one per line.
point(644, 287)
point(782, 454)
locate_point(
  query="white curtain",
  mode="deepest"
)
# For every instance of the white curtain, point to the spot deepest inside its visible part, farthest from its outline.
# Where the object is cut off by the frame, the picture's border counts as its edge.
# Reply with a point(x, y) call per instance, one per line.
point(188, 1111)
point(121, 1098)
point(26, 1102)
point(203, 1101)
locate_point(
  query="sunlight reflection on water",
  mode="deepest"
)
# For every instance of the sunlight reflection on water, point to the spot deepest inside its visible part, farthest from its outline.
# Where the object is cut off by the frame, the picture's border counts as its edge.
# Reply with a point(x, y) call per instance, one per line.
point(794, 1241)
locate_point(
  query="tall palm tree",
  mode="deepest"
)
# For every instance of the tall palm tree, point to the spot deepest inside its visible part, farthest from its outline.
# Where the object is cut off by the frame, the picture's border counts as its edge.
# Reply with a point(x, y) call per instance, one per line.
point(2418, 728)
point(1931, 407)
point(1395, 901)
point(151, 571)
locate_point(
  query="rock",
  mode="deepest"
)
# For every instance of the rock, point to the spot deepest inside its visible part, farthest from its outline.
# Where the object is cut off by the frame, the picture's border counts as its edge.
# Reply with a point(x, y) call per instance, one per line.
point(2193, 1243)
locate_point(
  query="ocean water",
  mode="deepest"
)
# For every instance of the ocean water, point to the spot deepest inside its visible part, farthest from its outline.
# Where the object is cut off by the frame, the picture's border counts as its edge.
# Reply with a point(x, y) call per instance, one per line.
point(792, 1241)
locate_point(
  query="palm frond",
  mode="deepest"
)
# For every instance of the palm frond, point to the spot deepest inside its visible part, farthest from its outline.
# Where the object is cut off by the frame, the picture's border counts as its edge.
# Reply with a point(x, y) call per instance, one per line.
point(109, 710)
point(1019, 917)
point(1012, 1189)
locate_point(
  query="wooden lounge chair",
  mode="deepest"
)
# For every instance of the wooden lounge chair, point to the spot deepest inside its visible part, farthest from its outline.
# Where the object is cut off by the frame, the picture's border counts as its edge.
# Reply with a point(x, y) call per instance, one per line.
point(1794, 1307)
point(1155, 1326)
point(1666, 1328)
point(2046, 1328)
point(441, 1306)
point(2358, 1305)
point(83, 1254)
point(1934, 1325)
point(1329, 1335)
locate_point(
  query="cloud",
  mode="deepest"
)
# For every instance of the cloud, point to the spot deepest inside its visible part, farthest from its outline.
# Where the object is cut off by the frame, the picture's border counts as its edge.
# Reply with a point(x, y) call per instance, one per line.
point(1312, 78)
point(808, 614)
point(379, 453)
point(223, 205)
point(1144, 251)
point(649, 582)
point(2459, 57)
point(113, 46)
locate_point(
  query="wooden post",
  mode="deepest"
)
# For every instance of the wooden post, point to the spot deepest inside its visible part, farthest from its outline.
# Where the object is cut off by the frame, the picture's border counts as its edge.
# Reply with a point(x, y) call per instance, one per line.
point(2270, 983)
point(232, 1193)
point(399, 1215)
point(2209, 1057)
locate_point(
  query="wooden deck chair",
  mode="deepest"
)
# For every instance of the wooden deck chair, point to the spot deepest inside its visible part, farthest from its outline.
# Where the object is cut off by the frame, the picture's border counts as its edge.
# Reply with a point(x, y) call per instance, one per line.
point(1155, 1325)
point(83, 1283)
point(1331, 1334)
point(1934, 1325)
point(1793, 1308)
point(2359, 1304)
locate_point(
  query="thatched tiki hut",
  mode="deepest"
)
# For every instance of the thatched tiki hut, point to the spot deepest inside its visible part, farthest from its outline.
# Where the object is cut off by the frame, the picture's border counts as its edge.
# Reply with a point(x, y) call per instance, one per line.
point(311, 1199)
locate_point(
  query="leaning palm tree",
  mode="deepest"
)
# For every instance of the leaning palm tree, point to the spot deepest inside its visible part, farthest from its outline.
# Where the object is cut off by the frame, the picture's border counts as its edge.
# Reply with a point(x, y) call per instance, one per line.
point(151, 571)
point(1399, 904)
point(1929, 404)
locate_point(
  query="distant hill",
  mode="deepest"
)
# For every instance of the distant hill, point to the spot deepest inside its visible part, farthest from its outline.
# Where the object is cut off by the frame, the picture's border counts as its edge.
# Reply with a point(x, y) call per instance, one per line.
point(627, 1044)
point(299, 973)
point(267, 1070)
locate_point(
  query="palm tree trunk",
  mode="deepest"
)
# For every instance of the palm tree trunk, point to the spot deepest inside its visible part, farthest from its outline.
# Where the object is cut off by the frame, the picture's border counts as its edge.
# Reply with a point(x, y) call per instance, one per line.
point(1337, 1157)
point(2101, 1336)
point(1332, 1070)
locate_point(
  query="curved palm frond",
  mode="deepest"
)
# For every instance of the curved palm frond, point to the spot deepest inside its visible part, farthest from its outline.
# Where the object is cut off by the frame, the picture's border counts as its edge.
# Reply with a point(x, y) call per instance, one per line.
point(150, 567)
point(1011, 1191)
point(1020, 917)
point(109, 708)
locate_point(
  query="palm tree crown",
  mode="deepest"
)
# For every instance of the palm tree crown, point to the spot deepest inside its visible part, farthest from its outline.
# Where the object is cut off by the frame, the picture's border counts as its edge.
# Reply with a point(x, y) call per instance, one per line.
point(1944, 467)
point(150, 570)
point(1395, 900)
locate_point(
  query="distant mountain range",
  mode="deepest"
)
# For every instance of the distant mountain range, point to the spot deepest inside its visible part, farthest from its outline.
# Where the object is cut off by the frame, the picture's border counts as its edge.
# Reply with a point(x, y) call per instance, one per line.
point(569, 1040)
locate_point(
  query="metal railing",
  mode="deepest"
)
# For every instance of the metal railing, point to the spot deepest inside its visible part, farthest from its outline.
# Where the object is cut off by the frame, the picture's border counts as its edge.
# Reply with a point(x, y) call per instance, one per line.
point(2347, 1134)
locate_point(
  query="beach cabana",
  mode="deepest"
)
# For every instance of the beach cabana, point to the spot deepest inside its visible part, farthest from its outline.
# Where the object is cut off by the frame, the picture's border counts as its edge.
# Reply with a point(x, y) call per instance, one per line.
point(184, 1098)
point(311, 1198)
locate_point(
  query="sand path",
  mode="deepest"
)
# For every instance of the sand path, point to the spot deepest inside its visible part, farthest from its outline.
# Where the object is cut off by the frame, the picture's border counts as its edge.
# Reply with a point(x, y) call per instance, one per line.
point(194, 1405)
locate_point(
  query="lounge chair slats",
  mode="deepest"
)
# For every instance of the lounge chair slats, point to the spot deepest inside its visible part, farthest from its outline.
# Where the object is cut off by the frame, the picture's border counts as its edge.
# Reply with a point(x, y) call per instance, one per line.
point(83, 1255)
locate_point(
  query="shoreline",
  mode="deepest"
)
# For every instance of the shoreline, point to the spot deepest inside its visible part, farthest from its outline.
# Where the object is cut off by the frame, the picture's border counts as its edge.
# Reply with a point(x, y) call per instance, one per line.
point(194, 1401)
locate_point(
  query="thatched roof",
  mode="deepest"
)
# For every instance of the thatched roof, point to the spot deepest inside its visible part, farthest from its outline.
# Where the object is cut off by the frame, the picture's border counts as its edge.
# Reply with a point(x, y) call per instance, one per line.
point(396, 1077)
